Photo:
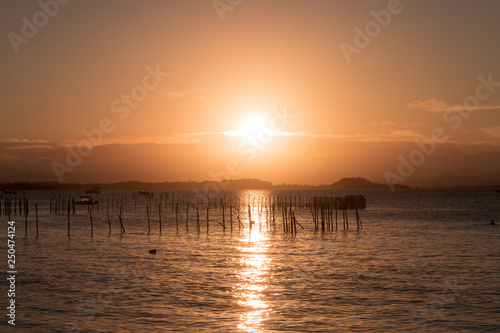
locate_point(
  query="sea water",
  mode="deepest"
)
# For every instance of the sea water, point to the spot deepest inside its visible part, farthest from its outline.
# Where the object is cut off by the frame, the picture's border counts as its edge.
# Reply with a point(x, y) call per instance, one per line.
point(424, 261)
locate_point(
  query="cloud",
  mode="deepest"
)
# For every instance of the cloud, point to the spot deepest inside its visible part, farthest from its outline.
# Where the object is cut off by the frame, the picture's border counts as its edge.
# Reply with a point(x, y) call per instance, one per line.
point(6, 140)
point(394, 135)
point(176, 138)
point(176, 94)
point(387, 124)
point(492, 132)
point(26, 143)
point(10, 157)
point(432, 105)
point(191, 93)
point(436, 105)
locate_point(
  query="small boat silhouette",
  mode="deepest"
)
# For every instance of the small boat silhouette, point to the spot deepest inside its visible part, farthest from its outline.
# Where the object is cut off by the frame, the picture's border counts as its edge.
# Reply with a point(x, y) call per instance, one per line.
point(144, 192)
point(9, 192)
point(86, 200)
point(95, 190)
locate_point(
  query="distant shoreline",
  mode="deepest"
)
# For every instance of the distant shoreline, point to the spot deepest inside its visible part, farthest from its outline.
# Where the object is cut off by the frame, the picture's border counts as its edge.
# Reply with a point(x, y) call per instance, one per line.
point(238, 184)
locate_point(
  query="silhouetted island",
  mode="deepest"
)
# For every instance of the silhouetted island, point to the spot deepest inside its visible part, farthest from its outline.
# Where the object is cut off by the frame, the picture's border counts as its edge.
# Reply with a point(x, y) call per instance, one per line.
point(358, 183)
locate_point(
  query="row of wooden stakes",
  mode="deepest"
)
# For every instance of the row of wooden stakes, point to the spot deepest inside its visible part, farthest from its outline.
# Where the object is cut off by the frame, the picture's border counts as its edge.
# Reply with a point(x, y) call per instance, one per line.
point(322, 208)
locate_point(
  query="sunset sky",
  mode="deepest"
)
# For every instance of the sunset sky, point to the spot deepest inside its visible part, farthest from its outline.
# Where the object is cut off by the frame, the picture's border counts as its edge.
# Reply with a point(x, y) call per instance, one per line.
point(281, 90)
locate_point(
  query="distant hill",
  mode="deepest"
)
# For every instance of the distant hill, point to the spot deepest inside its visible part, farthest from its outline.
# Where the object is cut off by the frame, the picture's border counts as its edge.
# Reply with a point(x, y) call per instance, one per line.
point(238, 184)
point(360, 183)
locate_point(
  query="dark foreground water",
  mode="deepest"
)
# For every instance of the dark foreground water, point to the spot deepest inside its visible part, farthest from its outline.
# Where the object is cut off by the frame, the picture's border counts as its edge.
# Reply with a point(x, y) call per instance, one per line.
point(424, 261)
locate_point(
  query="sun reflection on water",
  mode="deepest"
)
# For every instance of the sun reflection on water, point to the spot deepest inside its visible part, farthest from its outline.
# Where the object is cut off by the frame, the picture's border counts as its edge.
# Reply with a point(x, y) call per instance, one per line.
point(254, 274)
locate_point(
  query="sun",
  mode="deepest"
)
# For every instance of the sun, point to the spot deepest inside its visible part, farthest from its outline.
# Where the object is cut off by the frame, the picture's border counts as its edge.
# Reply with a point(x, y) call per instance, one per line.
point(253, 125)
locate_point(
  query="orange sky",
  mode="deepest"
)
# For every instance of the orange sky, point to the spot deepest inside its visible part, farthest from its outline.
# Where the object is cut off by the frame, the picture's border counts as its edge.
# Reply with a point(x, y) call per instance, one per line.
point(167, 88)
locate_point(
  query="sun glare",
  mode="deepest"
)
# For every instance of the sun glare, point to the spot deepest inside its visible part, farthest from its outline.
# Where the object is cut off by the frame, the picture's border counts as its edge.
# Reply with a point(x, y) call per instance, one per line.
point(253, 125)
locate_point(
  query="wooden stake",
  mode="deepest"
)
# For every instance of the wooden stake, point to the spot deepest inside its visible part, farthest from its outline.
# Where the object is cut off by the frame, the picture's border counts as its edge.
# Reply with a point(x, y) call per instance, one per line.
point(122, 228)
point(149, 223)
point(36, 219)
point(25, 216)
point(223, 216)
point(91, 225)
point(159, 215)
point(176, 217)
point(68, 222)
point(109, 223)
point(187, 216)
point(231, 217)
point(197, 220)
point(208, 223)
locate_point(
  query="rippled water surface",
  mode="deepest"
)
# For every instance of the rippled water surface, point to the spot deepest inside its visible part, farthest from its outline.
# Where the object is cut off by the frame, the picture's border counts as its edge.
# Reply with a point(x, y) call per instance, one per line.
point(424, 261)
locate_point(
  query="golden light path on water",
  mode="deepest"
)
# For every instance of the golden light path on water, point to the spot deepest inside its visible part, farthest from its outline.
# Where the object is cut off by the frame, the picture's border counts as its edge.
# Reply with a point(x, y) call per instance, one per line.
point(254, 273)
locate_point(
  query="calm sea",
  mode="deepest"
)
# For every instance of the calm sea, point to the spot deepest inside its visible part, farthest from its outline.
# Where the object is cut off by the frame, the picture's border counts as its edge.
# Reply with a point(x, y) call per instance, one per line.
point(425, 261)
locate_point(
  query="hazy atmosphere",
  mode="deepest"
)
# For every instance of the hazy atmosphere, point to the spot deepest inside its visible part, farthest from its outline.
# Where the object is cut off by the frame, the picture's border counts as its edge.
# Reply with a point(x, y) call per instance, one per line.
point(250, 166)
point(284, 91)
